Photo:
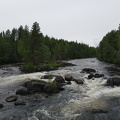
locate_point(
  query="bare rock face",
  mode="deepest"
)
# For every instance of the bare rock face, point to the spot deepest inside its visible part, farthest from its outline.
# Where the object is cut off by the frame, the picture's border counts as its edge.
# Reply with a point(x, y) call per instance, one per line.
point(11, 98)
point(68, 77)
point(113, 81)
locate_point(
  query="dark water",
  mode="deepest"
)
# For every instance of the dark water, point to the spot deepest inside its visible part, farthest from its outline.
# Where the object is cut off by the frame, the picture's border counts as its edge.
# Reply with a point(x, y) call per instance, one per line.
point(74, 103)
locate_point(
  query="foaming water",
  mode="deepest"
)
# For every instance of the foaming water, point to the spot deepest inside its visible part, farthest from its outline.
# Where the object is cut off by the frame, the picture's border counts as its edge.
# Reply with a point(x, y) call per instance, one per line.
point(74, 103)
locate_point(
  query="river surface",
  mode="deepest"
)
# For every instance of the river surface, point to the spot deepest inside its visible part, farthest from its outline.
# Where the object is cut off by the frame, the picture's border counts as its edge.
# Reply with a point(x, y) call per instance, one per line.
point(74, 103)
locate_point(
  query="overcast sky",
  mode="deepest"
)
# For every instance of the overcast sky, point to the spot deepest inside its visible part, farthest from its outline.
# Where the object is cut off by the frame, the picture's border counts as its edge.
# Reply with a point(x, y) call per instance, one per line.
point(86, 21)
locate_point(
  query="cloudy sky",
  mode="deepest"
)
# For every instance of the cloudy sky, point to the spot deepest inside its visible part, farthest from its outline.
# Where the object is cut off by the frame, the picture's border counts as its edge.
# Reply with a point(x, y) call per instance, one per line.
point(86, 21)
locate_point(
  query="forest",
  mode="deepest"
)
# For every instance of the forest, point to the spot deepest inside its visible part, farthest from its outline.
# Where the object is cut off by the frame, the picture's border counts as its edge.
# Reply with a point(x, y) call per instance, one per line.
point(109, 48)
point(32, 48)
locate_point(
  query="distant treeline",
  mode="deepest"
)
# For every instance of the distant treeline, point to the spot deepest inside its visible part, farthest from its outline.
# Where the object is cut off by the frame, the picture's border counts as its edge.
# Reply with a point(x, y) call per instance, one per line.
point(109, 47)
point(31, 46)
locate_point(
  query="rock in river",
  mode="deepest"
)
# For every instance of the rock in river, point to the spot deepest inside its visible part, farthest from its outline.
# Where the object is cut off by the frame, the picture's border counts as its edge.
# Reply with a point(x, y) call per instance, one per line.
point(22, 91)
point(59, 79)
point(11, 98)
point(19, 103)
point(1, 106)
point(78, 81)
point(68, 77)
point(113, 81)
point(98, 111)
point(88, 70)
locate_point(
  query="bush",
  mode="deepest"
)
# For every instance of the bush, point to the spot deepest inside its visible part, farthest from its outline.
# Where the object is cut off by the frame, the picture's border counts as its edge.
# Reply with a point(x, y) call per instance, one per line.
point(29, 67)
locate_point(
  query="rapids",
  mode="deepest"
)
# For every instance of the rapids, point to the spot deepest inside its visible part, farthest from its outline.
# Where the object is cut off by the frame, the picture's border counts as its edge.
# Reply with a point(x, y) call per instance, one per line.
point(74, 103)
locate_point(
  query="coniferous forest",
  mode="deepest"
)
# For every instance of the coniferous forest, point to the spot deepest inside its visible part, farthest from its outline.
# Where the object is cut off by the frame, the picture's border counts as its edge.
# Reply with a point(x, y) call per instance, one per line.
point(109, 47)
point(32, 48)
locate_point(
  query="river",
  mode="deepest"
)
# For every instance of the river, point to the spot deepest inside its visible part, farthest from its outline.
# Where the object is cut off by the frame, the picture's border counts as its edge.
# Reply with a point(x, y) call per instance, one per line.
point(74, 103)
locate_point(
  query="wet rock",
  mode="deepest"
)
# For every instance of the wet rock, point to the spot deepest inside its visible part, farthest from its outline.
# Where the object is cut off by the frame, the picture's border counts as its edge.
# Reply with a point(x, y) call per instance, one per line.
point(69, 83)
point(61, 89)
point(59, 79)
point(78, 81)
point(98, 111)
point(97, 75)
point(47, 77)
point(1, 106)
point(113, 81)
point(11, 98)
point(68, 77)
point(35, 85)
point(51, 89)
point(19, 103)
point(90, 76)
point(22, 91)
point(88, 70)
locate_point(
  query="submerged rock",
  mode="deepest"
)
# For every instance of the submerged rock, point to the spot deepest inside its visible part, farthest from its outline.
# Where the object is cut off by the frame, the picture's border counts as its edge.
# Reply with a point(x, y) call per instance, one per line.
point(113, 81)
point(11, 98)
point(1, 106)
point(19, 103)
point(98, 111)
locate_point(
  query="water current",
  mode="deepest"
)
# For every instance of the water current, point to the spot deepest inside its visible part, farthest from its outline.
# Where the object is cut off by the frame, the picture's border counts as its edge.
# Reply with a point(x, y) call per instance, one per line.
point(74, 103)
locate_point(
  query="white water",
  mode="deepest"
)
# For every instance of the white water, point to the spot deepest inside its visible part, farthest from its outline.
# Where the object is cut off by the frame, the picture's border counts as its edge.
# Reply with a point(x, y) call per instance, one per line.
point(74, 103)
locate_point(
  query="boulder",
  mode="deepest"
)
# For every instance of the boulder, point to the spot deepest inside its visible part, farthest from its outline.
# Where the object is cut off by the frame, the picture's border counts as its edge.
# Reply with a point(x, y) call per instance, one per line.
point(68, 77)
point(22, 91)
point(19, 103)
point(97, 75)
point(78, 81)
point(35, 85)
point(1, 106)
point(47, 77)
point(88, 70)
point(113, 81)
point(98, 111)
point(11, 98)
point(59, 79)
point(90, 76)
point(51, 89)
point(69, 83)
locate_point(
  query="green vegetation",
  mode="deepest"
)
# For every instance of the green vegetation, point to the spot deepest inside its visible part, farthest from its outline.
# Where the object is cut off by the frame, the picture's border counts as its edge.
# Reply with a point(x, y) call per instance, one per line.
point(109, 47)
point(37, 51)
